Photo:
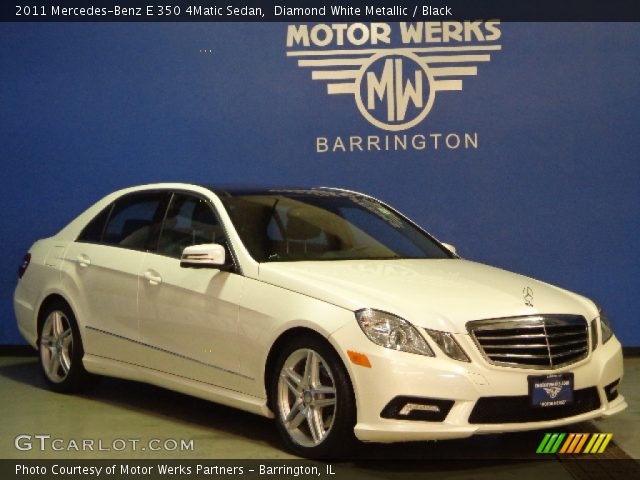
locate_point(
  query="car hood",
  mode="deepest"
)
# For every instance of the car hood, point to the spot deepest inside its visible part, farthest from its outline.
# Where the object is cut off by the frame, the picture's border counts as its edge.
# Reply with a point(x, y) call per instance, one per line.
point(441, 294)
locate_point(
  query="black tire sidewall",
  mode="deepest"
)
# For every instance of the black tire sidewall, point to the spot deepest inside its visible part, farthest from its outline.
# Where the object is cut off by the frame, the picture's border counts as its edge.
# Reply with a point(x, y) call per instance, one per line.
point(341, 438)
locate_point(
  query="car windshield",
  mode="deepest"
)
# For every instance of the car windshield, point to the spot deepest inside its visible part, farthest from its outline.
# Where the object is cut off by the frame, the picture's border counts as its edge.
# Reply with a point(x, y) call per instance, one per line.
point(322, 225)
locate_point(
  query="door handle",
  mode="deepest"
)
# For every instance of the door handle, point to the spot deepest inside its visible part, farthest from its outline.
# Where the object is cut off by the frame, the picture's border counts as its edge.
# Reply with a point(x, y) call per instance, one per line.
point(83, 260)
point(153, 277)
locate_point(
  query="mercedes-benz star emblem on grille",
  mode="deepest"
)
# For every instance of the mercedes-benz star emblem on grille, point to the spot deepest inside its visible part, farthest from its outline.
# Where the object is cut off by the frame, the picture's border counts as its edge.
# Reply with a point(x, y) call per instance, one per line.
point(553, 391)
point(528, 296)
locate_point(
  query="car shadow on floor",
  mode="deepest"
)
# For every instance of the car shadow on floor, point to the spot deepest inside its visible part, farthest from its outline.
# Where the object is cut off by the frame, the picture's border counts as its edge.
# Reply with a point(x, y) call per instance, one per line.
point(149, 400)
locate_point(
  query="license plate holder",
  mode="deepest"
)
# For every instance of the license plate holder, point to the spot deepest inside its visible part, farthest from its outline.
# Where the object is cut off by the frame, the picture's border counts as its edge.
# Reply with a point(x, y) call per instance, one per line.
point(547, 391)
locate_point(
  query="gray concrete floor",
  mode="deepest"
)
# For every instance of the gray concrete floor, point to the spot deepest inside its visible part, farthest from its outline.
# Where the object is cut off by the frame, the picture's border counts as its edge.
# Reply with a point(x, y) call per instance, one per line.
point(122, 409)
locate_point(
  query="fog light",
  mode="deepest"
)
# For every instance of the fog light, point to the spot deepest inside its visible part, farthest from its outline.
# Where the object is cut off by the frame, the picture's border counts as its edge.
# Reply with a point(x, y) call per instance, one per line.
point(410, 407)
point(417, 408)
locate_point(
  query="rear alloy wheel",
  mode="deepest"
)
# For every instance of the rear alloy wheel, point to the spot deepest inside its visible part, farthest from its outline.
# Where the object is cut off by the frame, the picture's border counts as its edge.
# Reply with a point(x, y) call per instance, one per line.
point(313, 400)
point(61, 350)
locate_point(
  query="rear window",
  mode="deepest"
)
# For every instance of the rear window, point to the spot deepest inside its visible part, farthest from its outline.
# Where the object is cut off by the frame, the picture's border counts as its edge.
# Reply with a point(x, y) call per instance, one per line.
point(135, 221)
point(92, 233)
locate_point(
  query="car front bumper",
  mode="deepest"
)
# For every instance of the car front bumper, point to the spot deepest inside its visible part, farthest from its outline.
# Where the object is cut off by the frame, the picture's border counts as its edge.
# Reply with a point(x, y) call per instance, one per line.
point(393, 374)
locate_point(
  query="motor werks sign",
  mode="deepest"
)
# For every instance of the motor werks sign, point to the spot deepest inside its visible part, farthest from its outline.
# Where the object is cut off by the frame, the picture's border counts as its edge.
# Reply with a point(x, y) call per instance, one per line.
point(394, 73)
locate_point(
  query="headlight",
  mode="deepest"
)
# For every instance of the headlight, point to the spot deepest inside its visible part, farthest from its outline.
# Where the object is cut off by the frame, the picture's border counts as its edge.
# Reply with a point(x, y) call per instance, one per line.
point(448, 345)
point(594, 334)
point(605, 326)
point(392, 332)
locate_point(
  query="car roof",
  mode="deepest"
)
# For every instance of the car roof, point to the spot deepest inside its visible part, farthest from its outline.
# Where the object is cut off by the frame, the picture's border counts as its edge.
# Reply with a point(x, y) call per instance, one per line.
point(250, 190)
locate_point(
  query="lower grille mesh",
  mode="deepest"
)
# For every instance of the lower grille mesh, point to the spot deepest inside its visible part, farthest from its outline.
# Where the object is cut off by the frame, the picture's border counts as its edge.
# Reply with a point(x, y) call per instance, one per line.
point(519, 410)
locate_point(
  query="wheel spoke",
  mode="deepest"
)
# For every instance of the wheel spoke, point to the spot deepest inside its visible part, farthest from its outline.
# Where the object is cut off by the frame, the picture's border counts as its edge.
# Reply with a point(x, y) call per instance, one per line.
point(324, 402)
point(295, 416)
point(47, 341)
point(65, 362)
point(58, 327)
point(54, 365)
point(312, 369)
point(324, 390)
point(293, 412)
point(308, 365)
point(67, 342)
point(315, 425)
point(293, 380)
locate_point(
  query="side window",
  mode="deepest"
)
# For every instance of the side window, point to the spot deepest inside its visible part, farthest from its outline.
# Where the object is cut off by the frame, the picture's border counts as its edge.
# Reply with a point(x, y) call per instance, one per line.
point(135, 220)
point(189, 221)
point(92, 233)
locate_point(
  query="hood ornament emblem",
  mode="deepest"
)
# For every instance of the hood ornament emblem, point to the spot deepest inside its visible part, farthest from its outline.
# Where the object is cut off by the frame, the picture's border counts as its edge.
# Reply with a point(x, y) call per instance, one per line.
point(527, 293)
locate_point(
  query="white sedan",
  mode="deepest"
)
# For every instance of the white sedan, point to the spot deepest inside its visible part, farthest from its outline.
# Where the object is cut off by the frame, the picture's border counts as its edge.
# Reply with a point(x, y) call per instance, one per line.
point(324, 308)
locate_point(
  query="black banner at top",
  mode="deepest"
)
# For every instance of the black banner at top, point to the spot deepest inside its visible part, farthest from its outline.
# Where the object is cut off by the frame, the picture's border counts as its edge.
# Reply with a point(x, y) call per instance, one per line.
point(318, 10)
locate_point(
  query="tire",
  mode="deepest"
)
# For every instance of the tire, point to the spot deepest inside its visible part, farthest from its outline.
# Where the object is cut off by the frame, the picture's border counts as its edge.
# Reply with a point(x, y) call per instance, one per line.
point(313, 401)
point(61, 352)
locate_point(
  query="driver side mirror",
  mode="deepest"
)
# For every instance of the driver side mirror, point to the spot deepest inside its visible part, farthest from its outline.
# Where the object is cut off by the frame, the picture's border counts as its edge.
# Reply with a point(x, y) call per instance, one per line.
point(209, 255)
point(450, 247)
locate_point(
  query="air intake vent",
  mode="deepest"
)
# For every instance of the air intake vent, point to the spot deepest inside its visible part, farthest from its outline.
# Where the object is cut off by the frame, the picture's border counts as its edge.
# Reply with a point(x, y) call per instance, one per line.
point(540, 342)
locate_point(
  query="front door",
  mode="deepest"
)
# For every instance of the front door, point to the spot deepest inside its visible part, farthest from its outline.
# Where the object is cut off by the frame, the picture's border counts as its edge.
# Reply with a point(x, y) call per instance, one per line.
point(189, 316)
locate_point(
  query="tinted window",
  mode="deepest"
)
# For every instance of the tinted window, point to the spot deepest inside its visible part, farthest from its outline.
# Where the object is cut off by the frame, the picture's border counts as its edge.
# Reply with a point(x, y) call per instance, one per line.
point(324, 226)
point(135, 220)
point(189, 221)
point(385, 229)
point(92, 233)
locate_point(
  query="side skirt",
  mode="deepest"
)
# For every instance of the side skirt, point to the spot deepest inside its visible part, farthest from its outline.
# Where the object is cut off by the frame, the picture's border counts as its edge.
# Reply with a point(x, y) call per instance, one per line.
point(115, 368)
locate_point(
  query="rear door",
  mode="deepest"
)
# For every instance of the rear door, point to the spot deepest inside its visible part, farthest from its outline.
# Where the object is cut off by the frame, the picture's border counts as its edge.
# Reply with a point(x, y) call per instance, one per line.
point(105, 262)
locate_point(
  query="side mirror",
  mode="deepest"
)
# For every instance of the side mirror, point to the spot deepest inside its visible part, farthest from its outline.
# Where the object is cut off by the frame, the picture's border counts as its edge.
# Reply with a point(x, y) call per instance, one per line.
point(209, 255)
point(450, 247)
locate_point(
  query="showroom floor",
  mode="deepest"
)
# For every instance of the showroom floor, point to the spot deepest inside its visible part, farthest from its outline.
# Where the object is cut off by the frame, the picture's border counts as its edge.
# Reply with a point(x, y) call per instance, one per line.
point(129, 410)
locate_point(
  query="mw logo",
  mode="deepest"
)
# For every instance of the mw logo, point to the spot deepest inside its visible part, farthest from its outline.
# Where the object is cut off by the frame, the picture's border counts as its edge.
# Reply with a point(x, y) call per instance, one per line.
point(394, 88)
point(393, 92)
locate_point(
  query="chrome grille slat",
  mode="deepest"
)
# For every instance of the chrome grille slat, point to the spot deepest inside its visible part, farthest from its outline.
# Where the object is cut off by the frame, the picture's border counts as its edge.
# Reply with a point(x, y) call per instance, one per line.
point(518, 355)
point(537, 335)
point(533, 345)
point(566, 334)
point(539, 342)
point(486, 347)
point(515, 337)
point(570, 352)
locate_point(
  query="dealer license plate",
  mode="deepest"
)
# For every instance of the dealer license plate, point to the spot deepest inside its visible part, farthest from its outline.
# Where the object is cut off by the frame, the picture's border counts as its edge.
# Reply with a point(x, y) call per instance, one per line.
point(551, 390)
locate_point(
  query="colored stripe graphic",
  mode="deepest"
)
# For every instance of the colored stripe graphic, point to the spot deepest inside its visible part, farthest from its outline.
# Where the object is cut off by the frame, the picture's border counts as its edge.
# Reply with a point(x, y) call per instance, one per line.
point(581, 443)
point(568, 443)
point(553, 443)
point(543, 443)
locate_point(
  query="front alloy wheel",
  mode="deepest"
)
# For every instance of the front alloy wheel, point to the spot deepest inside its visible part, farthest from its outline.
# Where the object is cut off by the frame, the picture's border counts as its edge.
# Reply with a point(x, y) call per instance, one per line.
point(313, 399)
point(307, 397)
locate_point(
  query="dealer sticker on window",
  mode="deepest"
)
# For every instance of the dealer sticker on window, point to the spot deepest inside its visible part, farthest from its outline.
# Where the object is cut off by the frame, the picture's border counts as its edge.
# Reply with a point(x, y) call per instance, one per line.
point(551, 390)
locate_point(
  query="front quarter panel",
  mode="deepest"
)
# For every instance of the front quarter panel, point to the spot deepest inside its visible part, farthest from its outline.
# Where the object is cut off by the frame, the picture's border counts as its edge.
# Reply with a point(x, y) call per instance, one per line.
point(268, 311)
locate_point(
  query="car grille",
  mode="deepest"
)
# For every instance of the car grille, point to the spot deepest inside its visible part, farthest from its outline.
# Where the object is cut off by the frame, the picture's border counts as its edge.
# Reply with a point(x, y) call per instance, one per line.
point(519, 410)
point(540, 342)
